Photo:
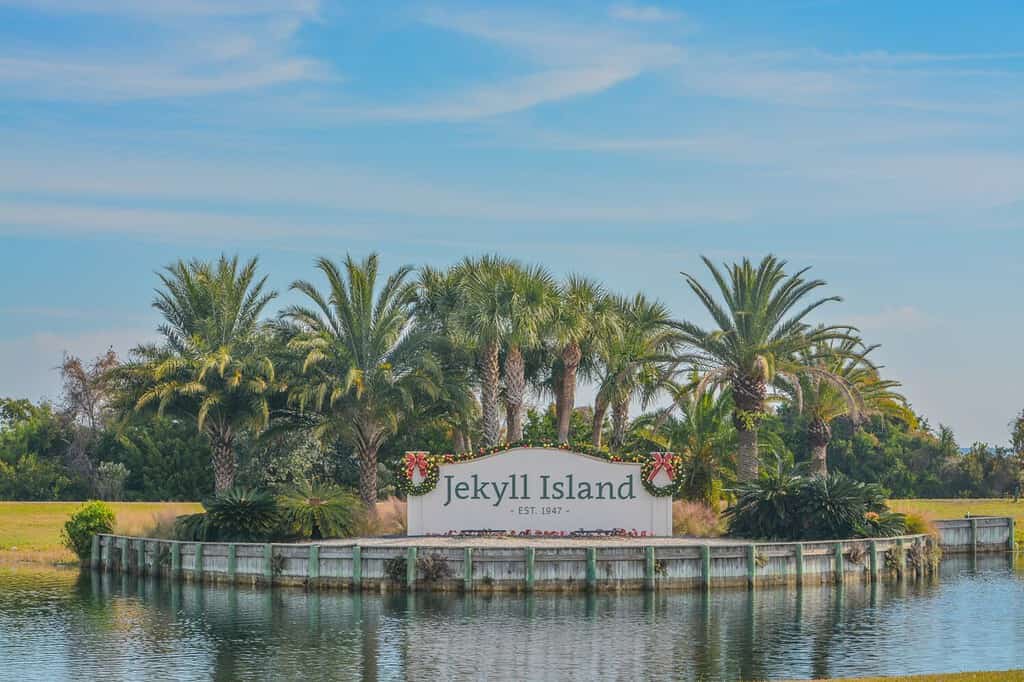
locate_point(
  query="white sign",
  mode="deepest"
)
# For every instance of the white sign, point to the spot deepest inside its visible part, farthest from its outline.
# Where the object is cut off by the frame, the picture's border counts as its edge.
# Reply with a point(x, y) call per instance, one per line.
point(539, 489)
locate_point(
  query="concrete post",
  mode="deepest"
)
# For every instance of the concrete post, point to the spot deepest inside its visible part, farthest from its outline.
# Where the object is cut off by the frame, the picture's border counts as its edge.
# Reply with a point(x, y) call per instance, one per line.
point(410, 568)
point(125, 568)
point(232, 561)
point(197, 562)
point(268, 562)
point(839, 569)
point(530, 557)
point(591, 568)
point(175, 560)
point(467, 569)
point(141, 549)
point(751, 565)
point(974, 536)
point(705, 565)
point(649, 567)
point(357, 567)
point(94, 552)
point(799, 564)
point(313, 563)
point(873, 555)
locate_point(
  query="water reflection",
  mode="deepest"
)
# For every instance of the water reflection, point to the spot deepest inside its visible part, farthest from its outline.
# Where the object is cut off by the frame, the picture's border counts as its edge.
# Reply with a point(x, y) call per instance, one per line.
point(59, 626)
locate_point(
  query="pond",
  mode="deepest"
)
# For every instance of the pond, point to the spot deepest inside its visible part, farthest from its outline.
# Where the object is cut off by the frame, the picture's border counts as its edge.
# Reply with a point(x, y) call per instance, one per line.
point(58, 625)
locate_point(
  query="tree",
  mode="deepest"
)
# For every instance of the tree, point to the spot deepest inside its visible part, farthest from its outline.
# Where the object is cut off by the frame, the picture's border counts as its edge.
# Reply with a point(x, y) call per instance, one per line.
point(631, 359)
point(483, 319)
point(440, 299)
point(214, 364)
point(759, 331)
point(697, 427)
point(87, 397)
point(364, 364)
point(529, 299)
point(584, 312)
point(849, 385)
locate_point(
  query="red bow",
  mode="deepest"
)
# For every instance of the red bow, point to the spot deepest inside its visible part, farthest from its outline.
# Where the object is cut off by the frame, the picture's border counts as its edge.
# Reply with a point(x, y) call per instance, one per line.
point(662, 461)
point(414, 461)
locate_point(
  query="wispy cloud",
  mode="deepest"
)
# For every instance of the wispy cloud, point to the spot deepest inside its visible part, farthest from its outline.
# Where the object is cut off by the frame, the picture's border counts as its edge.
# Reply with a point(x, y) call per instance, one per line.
point(168, 49)
point(643, 13)
point(559, 61)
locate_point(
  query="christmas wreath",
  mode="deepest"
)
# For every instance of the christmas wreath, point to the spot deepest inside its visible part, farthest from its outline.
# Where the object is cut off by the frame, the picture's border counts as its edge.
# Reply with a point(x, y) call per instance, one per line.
point(428, 466)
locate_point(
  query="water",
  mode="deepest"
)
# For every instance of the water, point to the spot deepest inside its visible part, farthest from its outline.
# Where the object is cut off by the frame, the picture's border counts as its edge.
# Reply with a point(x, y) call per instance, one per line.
point(58, 626)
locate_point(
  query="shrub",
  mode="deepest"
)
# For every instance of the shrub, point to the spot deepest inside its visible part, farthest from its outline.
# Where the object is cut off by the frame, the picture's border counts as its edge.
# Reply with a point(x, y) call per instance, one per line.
point(769, 506)
point(161, 526)
point(395, 569)
point(919, 523)
point(390, 519)
point(110, 478)
point(695, 519)
point(236, 515)
point(320, 510)
point(88, 520)
point(434, 567)
point(783, 504)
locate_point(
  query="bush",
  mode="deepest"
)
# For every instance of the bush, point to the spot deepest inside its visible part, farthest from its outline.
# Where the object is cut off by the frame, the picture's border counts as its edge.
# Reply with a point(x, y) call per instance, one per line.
point(695, 519)
point(32, 478)
point(236, 515)
point(784, 504)
point(920, 524)
point(90, 519)
point(320, 510)
point(110, 478)
point(390, 519)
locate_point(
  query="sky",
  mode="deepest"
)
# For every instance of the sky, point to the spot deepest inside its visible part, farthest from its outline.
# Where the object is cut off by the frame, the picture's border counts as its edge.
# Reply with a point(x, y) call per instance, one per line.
point(878, 142)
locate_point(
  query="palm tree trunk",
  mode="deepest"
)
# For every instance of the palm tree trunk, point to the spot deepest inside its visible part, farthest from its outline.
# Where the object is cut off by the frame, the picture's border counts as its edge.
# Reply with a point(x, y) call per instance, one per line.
point(223, 442)
point(600, 408)
point(819, 434)
point(749, 394)
point(746, 453)
point(571, 355)
point(459, 441)
point(368, 478)
point(489, 376)
point(620, 415)
point(515, 389)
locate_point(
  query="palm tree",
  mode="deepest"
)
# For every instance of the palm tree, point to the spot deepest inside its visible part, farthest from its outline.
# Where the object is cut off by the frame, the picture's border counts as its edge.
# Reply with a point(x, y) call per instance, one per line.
point(439, 301)
point(699, 428)
point(503, 311)
point(364, 365)
point(584, 312)
point(849, 386)
point(214, 364)
point(631, 359)
point(529, 300)
point(760, 330)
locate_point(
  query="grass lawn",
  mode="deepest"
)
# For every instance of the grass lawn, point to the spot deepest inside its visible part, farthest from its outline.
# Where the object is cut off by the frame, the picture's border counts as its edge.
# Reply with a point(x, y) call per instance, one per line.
point(30, 531)
point(936, 510)
point(1002, 676)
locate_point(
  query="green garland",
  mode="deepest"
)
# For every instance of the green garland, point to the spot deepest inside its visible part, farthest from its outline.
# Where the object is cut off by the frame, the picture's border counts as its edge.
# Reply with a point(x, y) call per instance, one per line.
point(405, 470)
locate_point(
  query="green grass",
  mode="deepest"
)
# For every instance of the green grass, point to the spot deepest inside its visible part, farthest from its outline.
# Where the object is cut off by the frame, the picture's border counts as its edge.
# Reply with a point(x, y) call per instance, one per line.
point(935, 510)
point(30, 531)
point(1001, 676)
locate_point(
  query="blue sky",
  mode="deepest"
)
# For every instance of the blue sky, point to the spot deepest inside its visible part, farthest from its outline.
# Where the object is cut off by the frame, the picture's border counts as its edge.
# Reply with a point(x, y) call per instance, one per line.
point(878, 142)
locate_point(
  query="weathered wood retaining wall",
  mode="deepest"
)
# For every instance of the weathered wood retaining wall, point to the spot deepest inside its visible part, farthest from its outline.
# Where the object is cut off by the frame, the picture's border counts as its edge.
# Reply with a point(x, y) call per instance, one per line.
point(976, 534)
point(574, 566)
point(633, 567)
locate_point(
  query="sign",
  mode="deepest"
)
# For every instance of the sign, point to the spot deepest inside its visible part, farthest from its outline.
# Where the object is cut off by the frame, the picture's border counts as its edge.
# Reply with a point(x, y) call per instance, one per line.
point(538, 490)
